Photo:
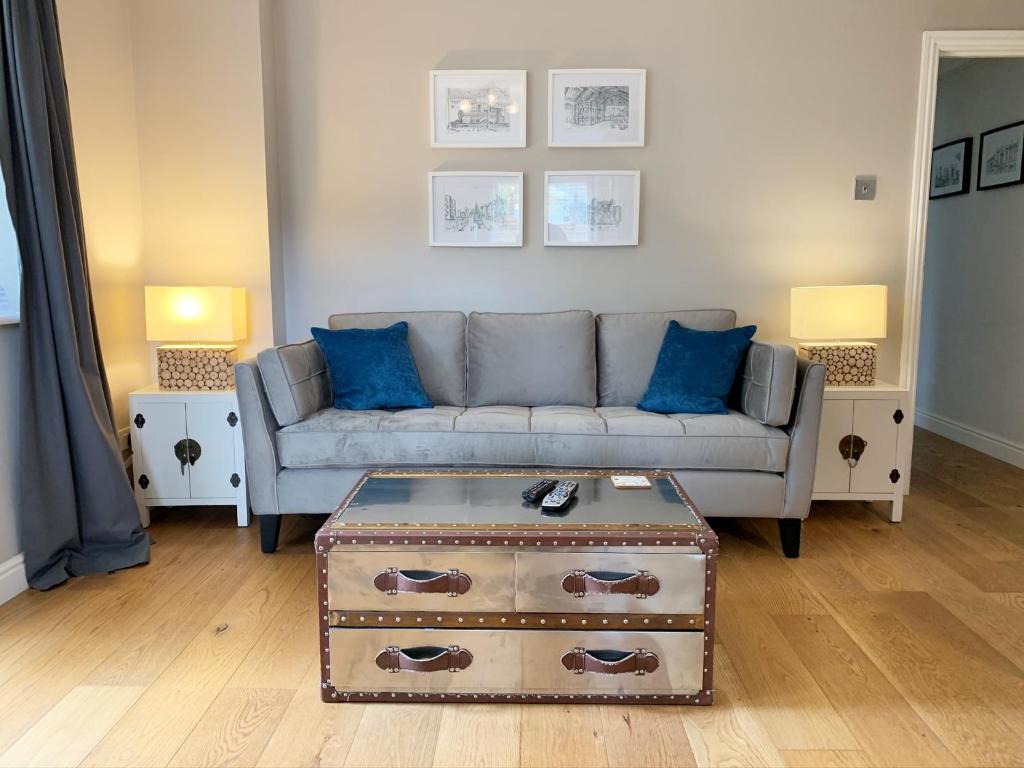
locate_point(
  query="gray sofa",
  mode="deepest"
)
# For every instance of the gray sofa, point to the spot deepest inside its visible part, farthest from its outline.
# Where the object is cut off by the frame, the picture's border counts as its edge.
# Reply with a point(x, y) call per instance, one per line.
point(522, 390)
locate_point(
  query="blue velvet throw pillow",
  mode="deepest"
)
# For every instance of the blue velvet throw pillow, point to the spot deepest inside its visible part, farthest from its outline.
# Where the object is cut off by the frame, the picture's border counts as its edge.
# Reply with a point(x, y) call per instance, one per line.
point(696, 370)
point(372, 368)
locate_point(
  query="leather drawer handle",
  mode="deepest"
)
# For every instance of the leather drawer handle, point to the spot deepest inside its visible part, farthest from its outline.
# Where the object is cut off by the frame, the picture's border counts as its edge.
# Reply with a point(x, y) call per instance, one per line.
point(452, 582)
point(426, 658)
point(640, 584)
point(638, 662)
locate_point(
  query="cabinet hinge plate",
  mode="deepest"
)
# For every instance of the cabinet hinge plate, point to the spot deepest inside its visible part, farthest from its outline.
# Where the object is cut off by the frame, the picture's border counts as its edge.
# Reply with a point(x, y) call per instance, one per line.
point(232, 419)
point(140, 420)
point(235, 480)
point(898, 416)
point(143, 482)
point(894, 476)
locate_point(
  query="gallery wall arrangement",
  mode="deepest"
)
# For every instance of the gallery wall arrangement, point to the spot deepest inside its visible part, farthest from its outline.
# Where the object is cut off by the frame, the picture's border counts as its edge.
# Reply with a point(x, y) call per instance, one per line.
point(1000, 162)
point(486, 109)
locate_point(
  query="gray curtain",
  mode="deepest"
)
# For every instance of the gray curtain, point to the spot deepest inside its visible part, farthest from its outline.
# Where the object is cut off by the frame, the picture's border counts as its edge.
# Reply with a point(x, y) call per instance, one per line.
point(77, 514)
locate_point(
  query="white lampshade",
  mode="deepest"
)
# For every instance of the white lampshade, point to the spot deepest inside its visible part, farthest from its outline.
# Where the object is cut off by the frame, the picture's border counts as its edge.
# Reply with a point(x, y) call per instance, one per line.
point(838, 312)
point(183, 313)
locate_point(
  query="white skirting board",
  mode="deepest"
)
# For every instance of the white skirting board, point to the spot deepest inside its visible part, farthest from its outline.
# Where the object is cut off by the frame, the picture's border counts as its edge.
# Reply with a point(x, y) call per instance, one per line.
point(979, 440)
point(12, 578)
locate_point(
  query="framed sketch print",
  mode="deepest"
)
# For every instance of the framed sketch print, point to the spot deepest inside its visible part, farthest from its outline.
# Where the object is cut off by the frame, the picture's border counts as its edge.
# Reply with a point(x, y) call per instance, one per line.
point(476, 209)
point(478, 108)
point(591, 208)
point(951, 169)
point(999, 156)
point(596, 107)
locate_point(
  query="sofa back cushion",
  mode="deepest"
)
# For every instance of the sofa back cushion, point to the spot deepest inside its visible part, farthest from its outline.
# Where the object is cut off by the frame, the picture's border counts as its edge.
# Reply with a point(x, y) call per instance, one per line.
point(628, 346)
point(532, 359)
point(438, 344)
point(295, 380)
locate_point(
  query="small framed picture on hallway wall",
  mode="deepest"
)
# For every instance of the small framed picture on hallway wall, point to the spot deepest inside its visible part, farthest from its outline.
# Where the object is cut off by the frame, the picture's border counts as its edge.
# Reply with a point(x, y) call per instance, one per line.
point(951, 169)
point(1000, 157)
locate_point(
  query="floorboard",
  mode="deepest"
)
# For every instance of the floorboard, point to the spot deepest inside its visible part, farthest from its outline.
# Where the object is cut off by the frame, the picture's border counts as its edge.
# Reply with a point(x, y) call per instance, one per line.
point(882, 645)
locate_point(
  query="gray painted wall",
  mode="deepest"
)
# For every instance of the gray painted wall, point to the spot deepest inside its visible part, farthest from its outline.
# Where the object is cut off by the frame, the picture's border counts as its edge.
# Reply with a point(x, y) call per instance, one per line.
point(759, 115)
point(972, 320)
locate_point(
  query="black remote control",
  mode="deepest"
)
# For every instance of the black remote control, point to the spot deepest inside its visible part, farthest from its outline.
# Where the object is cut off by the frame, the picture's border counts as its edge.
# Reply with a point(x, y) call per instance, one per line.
point(539, 490)
point(561, 497)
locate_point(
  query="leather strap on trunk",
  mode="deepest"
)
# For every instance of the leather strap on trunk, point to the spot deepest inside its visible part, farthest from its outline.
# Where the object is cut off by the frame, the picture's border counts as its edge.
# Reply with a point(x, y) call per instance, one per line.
point(424, 659)
point(600, 662)
point(452, 582)
point(580, 583)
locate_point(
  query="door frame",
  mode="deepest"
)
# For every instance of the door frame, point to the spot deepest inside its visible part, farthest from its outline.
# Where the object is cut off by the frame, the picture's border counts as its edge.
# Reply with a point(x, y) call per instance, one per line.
point(956, 44)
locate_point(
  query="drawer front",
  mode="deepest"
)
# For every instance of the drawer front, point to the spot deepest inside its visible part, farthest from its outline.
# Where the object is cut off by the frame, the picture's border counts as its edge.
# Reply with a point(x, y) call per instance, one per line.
point(609, 661)
point(493, 660)
point(397, 580)
point(516, 661)
point(593, 582)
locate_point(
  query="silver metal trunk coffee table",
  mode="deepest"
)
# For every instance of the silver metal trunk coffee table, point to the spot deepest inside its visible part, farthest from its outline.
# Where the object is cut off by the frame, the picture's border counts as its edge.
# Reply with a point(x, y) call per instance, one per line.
point(445, 586)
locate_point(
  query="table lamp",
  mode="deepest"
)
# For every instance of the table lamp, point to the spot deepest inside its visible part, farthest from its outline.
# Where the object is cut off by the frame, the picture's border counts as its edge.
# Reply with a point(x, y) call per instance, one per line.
point(198, 315)
point(840, 313)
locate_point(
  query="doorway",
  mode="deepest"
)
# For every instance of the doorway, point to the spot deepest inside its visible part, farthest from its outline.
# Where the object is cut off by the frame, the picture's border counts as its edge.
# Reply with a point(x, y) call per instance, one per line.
point(942, 48)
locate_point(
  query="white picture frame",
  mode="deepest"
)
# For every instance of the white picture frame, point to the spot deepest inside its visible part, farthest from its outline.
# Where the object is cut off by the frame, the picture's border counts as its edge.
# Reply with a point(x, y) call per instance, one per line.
point(478, 108)
point(596, 107)
point(475, 209)
point(591, 208)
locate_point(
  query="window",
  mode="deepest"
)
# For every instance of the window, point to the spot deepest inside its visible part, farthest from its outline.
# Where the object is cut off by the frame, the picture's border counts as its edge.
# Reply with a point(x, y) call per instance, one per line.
point(10, 266)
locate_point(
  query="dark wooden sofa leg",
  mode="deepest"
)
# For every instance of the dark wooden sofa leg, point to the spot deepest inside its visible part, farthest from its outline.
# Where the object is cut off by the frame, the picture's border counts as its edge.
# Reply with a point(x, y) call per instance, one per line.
point(270, 529)
point(789, 532)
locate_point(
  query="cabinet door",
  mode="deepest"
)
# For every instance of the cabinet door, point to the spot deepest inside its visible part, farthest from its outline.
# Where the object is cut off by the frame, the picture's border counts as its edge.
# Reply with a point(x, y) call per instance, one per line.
point(163, 427)
point(873, 421)
point(832, 472)
point(208, 425)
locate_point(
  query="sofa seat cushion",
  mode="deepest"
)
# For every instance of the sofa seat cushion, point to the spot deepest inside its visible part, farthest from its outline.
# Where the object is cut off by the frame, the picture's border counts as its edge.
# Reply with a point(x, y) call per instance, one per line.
point(567, 420)
point(556, 436)
point(494, 418)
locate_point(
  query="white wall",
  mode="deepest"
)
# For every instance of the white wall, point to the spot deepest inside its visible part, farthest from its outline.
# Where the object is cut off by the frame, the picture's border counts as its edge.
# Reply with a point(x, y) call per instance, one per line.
point(759, 115)
point(971, 374)
point(168, 117)
point(97, 43)
point(202, 152)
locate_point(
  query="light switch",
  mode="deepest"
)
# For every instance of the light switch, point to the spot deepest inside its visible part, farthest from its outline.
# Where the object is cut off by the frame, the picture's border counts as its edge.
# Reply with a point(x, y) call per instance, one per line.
point(865, 188)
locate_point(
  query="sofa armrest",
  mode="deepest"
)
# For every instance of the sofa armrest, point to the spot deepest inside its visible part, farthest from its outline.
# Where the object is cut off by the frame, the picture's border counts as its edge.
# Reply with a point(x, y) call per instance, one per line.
point(803, 429)
point(295, 381)
point(768, 383)
point(259, 430)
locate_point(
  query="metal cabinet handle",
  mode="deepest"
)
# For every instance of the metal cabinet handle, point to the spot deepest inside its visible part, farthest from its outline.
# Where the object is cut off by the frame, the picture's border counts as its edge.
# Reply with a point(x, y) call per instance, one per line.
point(610, 662)
point(640, 584)
point(187, 452)
point(851, 448)
point(427, 658)
point(452, 582)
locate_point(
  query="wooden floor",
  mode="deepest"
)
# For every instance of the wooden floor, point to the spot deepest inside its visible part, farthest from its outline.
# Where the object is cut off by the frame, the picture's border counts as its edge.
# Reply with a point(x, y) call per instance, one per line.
point(882, 645)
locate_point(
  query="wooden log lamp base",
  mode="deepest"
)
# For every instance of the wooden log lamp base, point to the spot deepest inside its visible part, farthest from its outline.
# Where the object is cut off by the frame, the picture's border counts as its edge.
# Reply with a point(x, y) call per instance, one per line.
point(195, 367)
point(850, 364)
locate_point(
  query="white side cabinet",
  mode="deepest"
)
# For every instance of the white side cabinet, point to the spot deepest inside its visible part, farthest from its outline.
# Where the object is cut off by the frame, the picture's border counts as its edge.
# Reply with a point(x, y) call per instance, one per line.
point(187, 450)
point(861, 445)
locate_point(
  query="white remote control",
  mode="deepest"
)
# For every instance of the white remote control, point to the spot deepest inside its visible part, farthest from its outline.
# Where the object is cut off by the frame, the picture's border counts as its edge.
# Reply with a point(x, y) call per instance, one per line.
point(560, 497)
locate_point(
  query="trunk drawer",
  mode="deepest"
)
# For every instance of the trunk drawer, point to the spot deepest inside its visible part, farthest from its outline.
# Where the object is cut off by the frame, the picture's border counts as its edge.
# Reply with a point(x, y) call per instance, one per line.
point(485, 581)
point(597, 582)
point(516, 661)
